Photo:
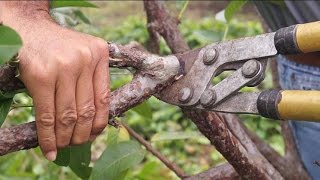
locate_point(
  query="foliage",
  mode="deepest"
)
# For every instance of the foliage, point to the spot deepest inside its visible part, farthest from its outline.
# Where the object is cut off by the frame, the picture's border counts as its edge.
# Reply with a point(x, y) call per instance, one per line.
point(117, 159)
point(77, 158)
point(10, 43)
point(71, 3)
point(233, 7)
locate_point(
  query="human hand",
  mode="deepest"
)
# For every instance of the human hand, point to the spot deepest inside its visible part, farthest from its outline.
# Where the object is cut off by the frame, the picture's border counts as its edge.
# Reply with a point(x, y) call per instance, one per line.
point(67, 75)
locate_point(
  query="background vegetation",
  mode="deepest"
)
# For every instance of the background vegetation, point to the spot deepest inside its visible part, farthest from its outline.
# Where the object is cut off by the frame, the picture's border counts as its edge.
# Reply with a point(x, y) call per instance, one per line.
point(163, 125)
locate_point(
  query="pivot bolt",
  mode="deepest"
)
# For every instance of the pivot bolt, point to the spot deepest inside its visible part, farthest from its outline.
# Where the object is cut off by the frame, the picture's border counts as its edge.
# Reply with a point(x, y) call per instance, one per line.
point(208, 98)
point(210, 56)
point(185, 95)
point(250, 68)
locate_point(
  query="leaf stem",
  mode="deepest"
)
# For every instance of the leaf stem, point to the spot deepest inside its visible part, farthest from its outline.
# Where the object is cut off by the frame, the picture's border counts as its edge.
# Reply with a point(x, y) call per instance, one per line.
point(226, 31)
point(185, 5)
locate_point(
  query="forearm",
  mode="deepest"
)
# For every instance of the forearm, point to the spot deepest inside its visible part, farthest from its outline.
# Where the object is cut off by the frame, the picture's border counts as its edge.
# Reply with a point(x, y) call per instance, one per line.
point(15, 13)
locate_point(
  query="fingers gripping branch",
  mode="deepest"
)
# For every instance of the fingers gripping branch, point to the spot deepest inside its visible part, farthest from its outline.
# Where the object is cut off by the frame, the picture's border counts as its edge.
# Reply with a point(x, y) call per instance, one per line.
point(149, 80)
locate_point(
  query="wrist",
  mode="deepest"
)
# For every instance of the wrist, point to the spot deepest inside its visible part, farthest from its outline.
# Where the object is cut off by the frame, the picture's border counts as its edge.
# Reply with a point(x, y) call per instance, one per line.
point(17, 13)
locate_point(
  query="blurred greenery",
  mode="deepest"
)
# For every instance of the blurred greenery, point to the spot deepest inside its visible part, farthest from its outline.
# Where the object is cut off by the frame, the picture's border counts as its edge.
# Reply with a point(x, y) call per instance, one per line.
point(10, 43)
point(174, 133)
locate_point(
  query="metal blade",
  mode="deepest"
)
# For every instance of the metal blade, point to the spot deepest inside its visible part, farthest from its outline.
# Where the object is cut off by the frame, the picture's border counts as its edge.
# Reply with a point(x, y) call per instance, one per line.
point(244, 103)
point(198, 76)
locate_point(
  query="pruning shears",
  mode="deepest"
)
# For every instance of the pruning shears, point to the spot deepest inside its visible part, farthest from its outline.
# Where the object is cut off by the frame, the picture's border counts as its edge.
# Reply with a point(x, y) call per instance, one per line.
point(247, 58)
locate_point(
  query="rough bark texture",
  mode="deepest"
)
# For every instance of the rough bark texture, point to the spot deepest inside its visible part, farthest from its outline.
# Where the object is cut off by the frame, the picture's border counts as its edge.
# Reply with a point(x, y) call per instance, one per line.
point(18, 138)
point(233, 144)
point(154, 74)
point(161, 23)
point(8, 81)
point(222, 172)
point(233, 149)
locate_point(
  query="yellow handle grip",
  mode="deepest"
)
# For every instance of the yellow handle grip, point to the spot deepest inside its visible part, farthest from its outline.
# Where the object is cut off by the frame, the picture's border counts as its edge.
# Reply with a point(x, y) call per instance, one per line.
point(308, 37)
point(299, 105)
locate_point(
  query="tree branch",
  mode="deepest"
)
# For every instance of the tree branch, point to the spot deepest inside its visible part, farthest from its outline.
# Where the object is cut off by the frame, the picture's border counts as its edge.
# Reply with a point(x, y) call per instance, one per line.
point(161, 22)
point(235, 146)
point(179, 172)
point(154, 74)
point(222, 172)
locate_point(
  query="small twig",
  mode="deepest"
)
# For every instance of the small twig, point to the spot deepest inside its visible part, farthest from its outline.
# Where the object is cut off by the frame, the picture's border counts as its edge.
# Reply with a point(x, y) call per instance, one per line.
point(226, 31)
point(185, 5)
point(179, 172)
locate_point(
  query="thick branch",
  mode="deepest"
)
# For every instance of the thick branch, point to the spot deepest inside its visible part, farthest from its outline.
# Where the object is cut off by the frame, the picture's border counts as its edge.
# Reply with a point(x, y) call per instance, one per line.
point(156, 153)
point(154, 74)
point(234, 144)
point(238, 149)
point(160, 22)
point(222, 172)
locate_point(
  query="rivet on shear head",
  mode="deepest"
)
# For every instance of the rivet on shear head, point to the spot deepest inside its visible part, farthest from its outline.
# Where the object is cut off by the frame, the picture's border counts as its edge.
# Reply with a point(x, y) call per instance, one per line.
point(210, 56)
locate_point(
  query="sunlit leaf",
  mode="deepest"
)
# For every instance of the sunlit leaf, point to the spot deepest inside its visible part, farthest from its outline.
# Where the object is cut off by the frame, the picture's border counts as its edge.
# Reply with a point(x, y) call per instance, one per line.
point(123, 134)
point(152, 169)
point(233, 7)
point(144, 109)
point(71, 3)
point(112, 136)
point(117, 159)
point(10, 43)
point(167, 136)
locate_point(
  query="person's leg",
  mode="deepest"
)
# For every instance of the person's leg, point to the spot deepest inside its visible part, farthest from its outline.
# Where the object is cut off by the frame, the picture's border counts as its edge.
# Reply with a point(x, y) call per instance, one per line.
point(307, 134)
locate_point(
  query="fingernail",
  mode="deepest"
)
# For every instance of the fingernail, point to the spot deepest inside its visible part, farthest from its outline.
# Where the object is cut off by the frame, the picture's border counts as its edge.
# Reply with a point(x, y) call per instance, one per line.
point(51, 156)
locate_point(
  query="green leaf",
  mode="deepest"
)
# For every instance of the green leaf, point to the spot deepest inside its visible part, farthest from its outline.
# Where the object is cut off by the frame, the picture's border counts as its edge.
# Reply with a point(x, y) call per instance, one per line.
point(4, 109)
point(77, 158)
point(80, 157)
point(10, 43)
point(63, 157)
point(82, 17)
point(116, 159)
point(233, 7)
point(112, 136)
point(71, 3)
point(123, 175)
point(166, 136)
point(144, 109)
point(8, 95)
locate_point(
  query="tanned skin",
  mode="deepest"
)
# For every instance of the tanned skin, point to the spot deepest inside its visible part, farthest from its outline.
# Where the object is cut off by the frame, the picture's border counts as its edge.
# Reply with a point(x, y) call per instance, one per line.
point(65, 72)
